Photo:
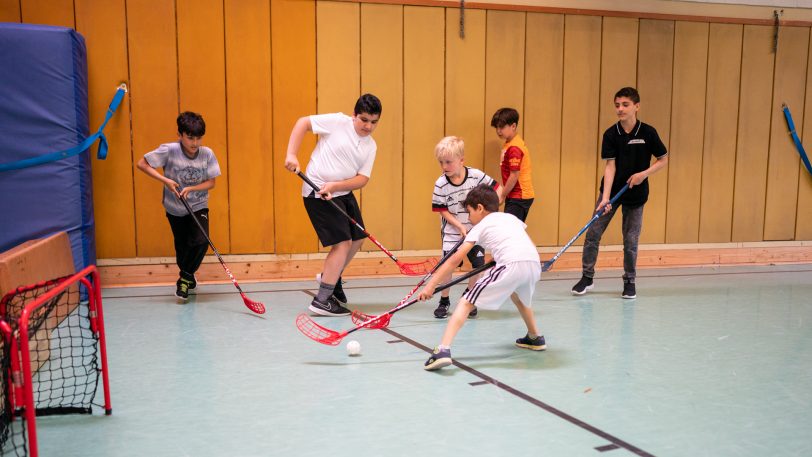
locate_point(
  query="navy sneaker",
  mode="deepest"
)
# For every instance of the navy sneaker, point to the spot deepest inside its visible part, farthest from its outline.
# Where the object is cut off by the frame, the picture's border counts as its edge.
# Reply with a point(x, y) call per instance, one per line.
point(629, 290)
point(582, 286)
point(534, 344)
point(442, 309)
point(439, 359)
point(473, 313)
point(329, 308)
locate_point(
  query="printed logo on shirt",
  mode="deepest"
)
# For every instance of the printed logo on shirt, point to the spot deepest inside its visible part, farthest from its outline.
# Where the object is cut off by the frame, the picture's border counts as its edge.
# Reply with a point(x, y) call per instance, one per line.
point(637, 141)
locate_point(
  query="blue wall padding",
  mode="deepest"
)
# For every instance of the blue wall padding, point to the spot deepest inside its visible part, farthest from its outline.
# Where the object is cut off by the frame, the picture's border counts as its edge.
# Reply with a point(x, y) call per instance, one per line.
point(43, 109)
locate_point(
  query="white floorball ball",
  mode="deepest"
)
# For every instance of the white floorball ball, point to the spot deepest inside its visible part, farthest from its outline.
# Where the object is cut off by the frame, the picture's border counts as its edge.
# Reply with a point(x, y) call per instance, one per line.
point(354, 348)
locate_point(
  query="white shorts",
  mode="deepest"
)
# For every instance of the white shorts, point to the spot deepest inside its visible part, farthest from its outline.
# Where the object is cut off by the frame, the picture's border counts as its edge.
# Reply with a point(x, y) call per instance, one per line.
point(496, 286)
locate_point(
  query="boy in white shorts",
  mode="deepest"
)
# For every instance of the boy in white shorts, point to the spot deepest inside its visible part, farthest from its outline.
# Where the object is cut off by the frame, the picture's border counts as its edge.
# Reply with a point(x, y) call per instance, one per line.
point(515, 275)
point(450, 191)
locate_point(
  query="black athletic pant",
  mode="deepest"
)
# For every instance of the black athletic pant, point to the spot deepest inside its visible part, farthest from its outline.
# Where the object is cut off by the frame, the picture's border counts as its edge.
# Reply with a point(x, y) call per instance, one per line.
point(190, 243)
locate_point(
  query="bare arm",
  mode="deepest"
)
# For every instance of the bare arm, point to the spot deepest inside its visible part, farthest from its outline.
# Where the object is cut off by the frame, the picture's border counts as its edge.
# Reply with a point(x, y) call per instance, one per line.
point(205, 185)
point(144, 166)
point(509, 185)
point(445, 269)
point(454, 222)
point(637, 178)
point(608, 179)
point(297, 134)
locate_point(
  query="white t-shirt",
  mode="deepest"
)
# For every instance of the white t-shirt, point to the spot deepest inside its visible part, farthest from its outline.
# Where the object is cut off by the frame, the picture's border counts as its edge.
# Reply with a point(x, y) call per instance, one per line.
point(503, 234)
point(340, 152)
point(449, 197)
point(185, 171)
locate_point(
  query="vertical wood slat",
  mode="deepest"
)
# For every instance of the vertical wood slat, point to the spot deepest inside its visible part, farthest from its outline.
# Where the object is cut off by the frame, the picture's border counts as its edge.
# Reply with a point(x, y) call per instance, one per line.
point(544, 66)
point(202, 89)
point(504, 78)
point(782, 172)
point(465, 83)
point(423, 89)
point(687, 131)
point(753, 138)
point(618, 69)
point(293, 77)
point(10, 11)
point(721, 119)
point(579, 135)
point(247, 26)
point(382, 75)
point(803, 226)
point(48, 12)
point(103, 24)
point(655, 84)
point(338, 56)
point(154, 107)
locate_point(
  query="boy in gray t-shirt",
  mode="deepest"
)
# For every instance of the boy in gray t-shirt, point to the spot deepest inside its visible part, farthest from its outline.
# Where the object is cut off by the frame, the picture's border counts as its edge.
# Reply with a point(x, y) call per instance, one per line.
point(189, 172)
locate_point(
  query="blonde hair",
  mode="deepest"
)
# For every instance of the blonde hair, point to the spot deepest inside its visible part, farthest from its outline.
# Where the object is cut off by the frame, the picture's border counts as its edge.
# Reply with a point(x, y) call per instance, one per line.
point(450, 146)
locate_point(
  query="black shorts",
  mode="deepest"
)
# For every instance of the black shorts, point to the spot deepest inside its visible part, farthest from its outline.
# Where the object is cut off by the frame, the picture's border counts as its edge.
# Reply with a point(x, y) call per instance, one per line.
point(518, 207)
point(476, 256)
point(331, 226)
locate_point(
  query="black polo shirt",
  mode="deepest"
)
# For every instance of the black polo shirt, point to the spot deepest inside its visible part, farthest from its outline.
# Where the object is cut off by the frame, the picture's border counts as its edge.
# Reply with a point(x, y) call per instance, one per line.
point(632, 153)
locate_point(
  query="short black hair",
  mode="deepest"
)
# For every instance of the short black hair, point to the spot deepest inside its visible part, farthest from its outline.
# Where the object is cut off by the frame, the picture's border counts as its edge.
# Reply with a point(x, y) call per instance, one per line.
point(369, 104)
point(504, 116)
point(484, 195)
point(191, 124)
point(630, 93)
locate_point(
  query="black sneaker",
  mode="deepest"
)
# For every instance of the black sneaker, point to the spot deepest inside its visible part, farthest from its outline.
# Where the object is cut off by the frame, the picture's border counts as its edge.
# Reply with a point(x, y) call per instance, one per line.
point(329, 308)
point(182, 290)
point(438, 359)
point(193, 283)
point(629, 290)
point(473, 313)
point(534, 344)
point(582, 286)
point(442, 309)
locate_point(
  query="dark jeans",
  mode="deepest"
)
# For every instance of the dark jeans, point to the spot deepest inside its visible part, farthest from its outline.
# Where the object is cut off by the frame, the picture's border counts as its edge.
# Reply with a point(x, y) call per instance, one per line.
point(190, 243)
point(632, 224)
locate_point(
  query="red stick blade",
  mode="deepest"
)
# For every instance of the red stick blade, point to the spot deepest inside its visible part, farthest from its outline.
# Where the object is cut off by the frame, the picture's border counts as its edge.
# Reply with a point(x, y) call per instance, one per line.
point(316, 332)
point(359, 318)
point(254, 306)
point(417, 268)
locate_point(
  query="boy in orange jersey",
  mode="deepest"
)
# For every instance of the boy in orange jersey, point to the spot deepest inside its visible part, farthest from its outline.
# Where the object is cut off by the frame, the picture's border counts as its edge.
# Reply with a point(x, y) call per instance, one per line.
point(517, 184)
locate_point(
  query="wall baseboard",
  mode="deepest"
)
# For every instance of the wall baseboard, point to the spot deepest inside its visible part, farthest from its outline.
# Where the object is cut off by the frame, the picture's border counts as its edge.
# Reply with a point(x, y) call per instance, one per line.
point(248, 268)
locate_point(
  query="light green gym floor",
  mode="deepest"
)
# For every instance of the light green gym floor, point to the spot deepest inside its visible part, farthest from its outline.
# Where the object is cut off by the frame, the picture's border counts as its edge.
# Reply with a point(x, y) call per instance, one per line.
point(705, 362)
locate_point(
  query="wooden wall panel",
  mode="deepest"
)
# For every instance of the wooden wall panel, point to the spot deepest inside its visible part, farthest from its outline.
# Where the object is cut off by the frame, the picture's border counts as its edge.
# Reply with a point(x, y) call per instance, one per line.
point(504, 78)
point(382, 75)
point(465, 83)
point(721, 119)
point(803, 226)
point(48, 12)
point(543, 87)
point(655, 84)
point(293, 46)
point(10, 11)
point(687, 131)
point(618, 69)
point(154, 106)
point(248, 120)
point(782, 172)
point(423, 102)
point(579, 133)
point(103, 24)
point(338, 56)
point(753, 138)
point(202, 89)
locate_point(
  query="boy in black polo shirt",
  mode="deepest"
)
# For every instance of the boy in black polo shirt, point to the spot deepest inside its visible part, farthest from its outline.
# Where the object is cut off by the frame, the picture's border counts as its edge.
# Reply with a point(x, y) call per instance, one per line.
point(627, 149)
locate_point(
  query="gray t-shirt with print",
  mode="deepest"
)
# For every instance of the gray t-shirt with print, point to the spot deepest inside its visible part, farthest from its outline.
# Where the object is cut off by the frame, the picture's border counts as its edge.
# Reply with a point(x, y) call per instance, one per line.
point(186, 172)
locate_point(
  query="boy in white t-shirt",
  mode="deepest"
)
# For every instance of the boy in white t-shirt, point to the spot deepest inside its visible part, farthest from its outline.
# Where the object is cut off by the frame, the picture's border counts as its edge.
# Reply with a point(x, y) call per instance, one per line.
point(341, 162)
point(450, 191)
point(515, 275)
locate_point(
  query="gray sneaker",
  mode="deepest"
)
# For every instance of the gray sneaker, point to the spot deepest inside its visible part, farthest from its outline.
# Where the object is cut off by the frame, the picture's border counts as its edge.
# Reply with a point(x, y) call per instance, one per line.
point(438, 359)
point(329, 308)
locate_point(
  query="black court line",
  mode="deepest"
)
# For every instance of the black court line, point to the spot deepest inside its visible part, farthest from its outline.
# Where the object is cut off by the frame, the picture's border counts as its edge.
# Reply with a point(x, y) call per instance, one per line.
point(608, 447)
point(298, 289)
point(478, 383)
point(395, 341)
point(534, 401)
